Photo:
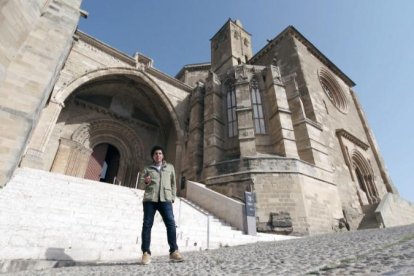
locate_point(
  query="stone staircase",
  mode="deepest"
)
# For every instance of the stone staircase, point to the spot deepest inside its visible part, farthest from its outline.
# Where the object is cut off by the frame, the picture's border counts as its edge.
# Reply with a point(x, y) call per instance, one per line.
point(369, 220)
point(47, 216)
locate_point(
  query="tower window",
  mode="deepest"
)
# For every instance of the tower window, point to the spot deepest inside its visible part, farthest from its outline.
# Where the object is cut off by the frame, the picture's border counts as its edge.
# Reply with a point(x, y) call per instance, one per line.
point(258, 118)
point(231, 110)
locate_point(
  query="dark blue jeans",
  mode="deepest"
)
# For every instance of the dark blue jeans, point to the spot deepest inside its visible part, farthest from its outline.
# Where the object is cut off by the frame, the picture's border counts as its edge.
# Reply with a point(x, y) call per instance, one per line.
point(166, 212)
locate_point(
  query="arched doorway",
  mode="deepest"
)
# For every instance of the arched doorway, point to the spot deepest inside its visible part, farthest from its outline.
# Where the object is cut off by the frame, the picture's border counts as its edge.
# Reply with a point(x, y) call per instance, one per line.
point(103, 164)
point(127, 111)
point(115, 150)
point(367, 190)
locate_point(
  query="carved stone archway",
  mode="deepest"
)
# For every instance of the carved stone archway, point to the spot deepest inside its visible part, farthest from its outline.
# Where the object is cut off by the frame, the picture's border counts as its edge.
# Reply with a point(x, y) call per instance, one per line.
point(91, 134)
point(364, 176)
point(139, 74)
point(38, 149)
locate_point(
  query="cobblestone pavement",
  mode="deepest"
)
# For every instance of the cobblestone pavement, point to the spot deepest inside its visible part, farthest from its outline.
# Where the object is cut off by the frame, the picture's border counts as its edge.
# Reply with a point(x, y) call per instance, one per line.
point(387, 251)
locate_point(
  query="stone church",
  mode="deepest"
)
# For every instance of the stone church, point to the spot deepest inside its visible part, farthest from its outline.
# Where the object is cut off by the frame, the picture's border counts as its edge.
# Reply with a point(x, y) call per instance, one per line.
point(284, 123)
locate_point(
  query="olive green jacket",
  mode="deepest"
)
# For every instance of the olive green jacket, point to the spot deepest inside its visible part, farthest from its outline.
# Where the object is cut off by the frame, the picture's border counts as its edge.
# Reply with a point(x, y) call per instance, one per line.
point(162, 186)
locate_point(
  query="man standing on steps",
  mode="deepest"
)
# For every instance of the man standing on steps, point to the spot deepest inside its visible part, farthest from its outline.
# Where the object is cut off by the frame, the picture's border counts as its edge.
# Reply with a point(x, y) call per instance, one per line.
point(160, 191)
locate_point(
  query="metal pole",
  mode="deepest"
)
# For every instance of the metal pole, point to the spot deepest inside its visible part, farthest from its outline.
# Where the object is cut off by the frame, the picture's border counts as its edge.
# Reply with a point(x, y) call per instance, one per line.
point(136, 182)
point(179, 213)
point(208, 232)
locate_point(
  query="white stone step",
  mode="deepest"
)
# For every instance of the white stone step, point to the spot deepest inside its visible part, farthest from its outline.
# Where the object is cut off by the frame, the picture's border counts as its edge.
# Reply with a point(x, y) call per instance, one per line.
point(45, 215)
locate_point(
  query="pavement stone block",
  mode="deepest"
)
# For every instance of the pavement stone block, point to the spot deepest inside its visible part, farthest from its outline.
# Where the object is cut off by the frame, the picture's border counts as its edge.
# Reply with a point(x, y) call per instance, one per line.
point(369, 252)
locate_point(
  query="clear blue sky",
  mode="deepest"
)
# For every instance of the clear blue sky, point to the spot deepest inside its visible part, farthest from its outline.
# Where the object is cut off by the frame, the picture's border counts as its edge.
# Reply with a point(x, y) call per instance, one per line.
point(371, 41)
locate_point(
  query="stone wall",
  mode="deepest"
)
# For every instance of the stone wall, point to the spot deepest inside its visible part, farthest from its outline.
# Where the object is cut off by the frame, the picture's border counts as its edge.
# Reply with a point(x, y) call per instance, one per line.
point(394, 211)
point(330, 128)
point(292, 196)
point(225, 208)
point(191, 77)
point(29, 68)
point(131, 84)
point(332, 119)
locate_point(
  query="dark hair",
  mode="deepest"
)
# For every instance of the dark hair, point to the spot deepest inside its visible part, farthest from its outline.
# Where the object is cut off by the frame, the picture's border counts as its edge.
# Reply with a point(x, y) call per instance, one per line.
point(155, 148)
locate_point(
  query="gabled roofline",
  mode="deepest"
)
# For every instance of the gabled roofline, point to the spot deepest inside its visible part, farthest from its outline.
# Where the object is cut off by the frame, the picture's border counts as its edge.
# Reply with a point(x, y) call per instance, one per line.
point(290, 30)
point(105, 47)
point(132, 61)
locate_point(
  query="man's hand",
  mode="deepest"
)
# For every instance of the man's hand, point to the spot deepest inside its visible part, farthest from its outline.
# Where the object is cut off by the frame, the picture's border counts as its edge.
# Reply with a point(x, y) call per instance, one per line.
point(147, 179)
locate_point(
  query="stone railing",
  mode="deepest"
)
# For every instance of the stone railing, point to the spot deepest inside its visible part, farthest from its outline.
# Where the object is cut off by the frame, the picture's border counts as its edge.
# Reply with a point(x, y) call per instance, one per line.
point(225, 208)
point(394, 211)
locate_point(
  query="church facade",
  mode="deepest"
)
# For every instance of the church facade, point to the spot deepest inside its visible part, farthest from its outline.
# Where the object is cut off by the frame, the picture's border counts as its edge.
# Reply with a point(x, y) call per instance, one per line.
point(284, 123)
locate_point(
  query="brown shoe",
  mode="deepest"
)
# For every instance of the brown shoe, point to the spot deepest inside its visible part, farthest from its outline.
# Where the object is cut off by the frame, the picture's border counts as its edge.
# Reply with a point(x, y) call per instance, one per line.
point(146, 258)
point(176, 256)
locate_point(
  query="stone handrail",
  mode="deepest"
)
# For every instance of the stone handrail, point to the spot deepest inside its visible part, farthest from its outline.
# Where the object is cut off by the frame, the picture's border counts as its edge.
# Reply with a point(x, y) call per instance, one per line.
point(223, 207)
point(394, 211)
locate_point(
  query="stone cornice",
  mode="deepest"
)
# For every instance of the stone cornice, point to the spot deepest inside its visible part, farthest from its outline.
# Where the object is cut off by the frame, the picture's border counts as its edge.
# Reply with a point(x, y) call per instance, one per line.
point(250, 166)
point(215, 118)
point(279, 110)
point(292, 31)
point(309, 122)
point(343, 133)
point(106, 48)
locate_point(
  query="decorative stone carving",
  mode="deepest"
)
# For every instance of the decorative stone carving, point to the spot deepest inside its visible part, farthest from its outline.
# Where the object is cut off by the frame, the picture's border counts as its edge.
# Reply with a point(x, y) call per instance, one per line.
point(240, 73)
point(343, 133)
point(114, 115)
point(333, 90)
point(277, 78)
point(81, 135)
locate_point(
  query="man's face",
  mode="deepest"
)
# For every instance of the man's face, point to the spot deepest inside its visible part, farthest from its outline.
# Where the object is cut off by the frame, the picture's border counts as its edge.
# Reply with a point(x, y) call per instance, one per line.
point(158, 156)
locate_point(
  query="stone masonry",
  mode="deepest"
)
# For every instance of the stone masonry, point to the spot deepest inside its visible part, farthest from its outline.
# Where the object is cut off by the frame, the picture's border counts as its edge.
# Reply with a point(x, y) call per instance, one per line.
point(284, 123)
point(368, 252)
point(29, 68)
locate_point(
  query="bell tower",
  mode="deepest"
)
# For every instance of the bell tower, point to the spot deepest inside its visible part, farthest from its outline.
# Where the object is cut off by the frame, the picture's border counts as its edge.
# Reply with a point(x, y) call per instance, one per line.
point(230, 46)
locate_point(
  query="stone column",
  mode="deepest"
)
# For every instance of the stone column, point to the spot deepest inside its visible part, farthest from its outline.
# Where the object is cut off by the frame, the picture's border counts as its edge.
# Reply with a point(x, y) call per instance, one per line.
point(213, 123)
point(374, 188)
point(308, 134)
point(41, 135)
point(178, 156)
point(84, 155)
point(194, 160)
point(71, 158)
point(31, 71)
point(281, 126)
point(245, 125)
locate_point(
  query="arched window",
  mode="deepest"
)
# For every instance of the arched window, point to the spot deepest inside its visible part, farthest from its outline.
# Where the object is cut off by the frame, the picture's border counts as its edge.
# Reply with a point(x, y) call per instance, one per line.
point(231, 110)
point(258, 118)
point(360, 179)
point(333, 90)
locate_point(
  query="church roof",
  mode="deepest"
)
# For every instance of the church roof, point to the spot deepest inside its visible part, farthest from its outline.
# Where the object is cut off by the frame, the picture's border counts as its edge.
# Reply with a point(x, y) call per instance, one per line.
point(193, 67)
point(290, 30)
